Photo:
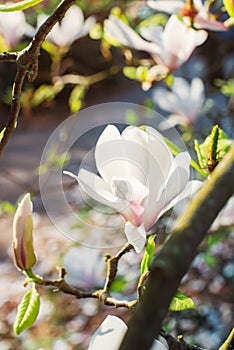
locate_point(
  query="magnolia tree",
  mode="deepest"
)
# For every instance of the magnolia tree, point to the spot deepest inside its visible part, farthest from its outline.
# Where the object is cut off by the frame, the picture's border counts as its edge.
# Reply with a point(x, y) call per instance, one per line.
point(141, 171)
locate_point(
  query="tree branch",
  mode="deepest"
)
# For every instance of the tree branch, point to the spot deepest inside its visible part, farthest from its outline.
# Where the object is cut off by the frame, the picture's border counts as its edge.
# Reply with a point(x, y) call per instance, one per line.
point(173, 261)
point(27, 64)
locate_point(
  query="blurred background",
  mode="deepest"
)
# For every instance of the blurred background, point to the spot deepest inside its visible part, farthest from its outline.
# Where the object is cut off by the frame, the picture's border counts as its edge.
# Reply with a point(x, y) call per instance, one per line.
point(76, 73)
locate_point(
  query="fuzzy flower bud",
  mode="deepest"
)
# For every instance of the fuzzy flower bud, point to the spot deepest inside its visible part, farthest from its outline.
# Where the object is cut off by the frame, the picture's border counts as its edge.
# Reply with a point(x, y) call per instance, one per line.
point(23, 235)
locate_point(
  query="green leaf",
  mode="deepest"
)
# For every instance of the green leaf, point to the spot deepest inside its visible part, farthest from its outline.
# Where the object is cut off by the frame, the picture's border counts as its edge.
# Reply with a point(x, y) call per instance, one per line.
point(181, 302)
point(157, 20)
point(213, 148)
point(229, 7)
point(49, 47)
point(119, 284)
point(18, 6)
point(176, 150)
point(46, 93)
point(28, 311)
point(148, 256)
point(7, 207)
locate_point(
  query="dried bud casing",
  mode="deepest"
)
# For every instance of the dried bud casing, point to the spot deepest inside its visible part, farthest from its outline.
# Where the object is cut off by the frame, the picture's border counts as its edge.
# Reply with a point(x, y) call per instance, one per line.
point(24, 256)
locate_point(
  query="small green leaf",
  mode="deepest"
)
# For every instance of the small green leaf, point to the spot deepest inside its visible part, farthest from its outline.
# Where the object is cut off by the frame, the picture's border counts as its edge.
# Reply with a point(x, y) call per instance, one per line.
point(156, 20)
point(76, 98)
point(19, 6)
point(7, 207)
point(213, 149)
point(229, 7)
point(49, 47)
point(46, 93)
point(181, 302)
point(28, 311)
point(148, 256)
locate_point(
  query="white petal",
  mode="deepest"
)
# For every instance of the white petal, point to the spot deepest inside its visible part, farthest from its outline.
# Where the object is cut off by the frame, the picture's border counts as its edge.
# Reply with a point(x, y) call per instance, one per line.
point(98, 189)
point(117, 156)
point(126, 35)
point(109, 335)
point(87, 25)
point(157, 345)
point(226, 216)
point(136, 236)
point(71, 25)
point(180, 204)
point(203, 22)
point(179, 42)
point(175, 183)
point(166, 100)
point(168, 6)
point(190, 189)
point(197, 93)
point(152, 33)
point(12, 26)
point(181, 87)
point(129, 188)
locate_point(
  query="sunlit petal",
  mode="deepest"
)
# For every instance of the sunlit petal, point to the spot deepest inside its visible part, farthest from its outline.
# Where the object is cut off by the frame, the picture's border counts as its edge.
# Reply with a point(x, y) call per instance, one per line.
point(109, 335)
point(136, 236)
point(168, 6)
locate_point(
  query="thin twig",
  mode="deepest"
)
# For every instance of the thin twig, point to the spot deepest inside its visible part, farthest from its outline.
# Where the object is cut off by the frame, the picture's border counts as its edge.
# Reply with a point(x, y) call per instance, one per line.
point(27, 64)
point(103, 295)
point(8, 56)
point(178, 343)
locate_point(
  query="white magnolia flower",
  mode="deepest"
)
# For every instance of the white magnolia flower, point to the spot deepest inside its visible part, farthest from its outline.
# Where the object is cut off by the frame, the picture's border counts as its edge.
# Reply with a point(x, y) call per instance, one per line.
point(170, 47)
point(139, 178)
point(71, 27)
point(201, 19)
point(226, 216)
point(85, 267)
point(184, 100)
point(111, 333)
point(12, 27)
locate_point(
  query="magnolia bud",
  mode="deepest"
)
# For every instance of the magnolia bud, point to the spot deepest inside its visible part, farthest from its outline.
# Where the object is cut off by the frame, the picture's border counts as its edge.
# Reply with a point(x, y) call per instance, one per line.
point(23, 235)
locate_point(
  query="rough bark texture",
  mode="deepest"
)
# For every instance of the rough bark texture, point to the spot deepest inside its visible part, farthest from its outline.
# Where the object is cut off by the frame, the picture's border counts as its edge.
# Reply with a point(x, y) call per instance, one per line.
point(174, 259)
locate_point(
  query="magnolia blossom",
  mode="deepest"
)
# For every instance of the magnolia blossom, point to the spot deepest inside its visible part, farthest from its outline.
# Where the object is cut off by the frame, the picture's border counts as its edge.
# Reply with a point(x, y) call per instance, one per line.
point(72, 27)
point(12, 27)
point(170, 47)
point(184, 100)
point(139, 178)
point(84, 267)
point(23, 235)
point(201, 19)
point(111, 333)
point(226, 216)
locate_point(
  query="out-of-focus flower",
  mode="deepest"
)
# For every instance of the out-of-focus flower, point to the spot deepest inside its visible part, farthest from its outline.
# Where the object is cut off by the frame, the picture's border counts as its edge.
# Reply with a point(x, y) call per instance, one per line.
point(72, 27)
point(111, 333)
point(23, 235)
point(201, 19)
point(85, 267)
point(184, 100)
point(170, 47)
point(139, 178)
point(12, 27)
point(226, 216)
